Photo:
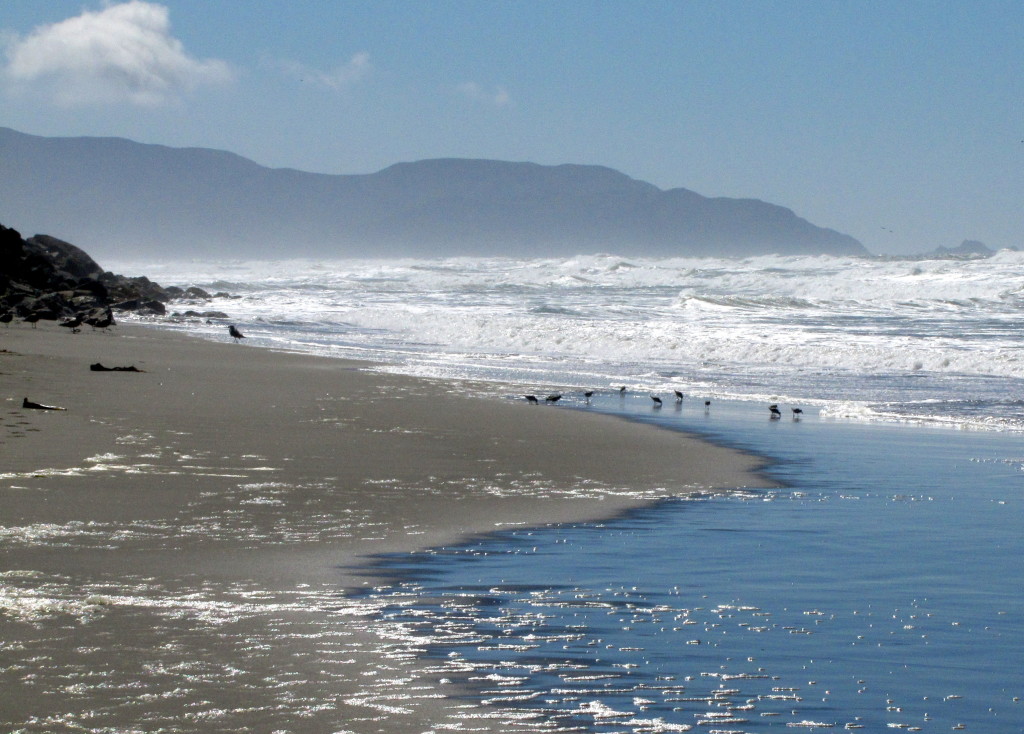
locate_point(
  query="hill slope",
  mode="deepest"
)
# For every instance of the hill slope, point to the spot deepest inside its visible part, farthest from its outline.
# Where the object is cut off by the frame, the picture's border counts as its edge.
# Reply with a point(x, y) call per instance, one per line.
point(112, 195)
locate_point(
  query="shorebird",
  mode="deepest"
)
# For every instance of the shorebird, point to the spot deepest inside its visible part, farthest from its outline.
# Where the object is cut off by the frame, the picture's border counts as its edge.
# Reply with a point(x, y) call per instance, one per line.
point(797, 412)
point(73, 323)
point(532, 399)
point(588, 395)
point(6, 317)
point(707, 405)
point(657, 401)
point(775, 411)
point(553, 398)
point(32, 318)
point(622, 390)
point(679, 396)
point(235, 333)
point(101, 322)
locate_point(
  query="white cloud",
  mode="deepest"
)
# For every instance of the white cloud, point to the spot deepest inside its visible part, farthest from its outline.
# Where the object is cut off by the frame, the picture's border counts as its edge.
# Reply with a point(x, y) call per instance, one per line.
point(338, 78)
point(499, 96)
point(122, 53)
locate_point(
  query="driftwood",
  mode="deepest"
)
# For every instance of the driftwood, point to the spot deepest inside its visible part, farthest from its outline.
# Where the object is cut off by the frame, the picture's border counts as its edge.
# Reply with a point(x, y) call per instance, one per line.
point(26, 403)
point(98, 367)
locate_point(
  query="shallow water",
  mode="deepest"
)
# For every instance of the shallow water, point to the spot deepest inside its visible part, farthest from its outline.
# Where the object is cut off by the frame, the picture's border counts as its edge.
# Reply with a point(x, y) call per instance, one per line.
point(881, 588)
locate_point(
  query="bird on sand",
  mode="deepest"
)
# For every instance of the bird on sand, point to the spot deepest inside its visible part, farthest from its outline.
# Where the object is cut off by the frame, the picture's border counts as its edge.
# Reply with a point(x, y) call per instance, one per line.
point(101, 322)
point(679, 396)
point(553, 397)
point(657, 401)
point(532, 399)
point(73, 323)
point(774, 411)
point(235, 333)
point(32, 318)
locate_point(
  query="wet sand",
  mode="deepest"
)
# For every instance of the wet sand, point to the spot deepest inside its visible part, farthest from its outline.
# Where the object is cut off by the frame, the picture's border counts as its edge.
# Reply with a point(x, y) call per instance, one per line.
point(233, 470)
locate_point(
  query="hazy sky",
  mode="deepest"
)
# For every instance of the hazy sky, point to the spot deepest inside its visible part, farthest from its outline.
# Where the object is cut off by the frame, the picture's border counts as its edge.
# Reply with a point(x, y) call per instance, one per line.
point(900, 123)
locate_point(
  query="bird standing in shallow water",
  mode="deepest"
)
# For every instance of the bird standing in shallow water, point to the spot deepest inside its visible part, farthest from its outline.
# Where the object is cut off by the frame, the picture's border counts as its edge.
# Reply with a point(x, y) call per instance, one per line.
point(797, 412)
point(679, 396)
point(532, 399)
point(657, 401)
point(235, 333)
point(774, 411)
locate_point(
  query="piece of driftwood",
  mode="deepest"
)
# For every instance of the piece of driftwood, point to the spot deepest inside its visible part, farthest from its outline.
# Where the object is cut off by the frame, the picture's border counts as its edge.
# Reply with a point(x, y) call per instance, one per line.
point(26, 403)
point(98, 367)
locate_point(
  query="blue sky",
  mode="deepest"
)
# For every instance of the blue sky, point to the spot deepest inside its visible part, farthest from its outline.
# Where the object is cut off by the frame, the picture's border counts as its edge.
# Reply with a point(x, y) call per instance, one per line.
point(900, 123)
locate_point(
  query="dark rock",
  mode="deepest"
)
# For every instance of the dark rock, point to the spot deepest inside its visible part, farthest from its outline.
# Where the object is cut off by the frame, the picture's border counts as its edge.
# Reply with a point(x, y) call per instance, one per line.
point(47, 278)
point(967, 250)
point(64, 256)
point(205, 315)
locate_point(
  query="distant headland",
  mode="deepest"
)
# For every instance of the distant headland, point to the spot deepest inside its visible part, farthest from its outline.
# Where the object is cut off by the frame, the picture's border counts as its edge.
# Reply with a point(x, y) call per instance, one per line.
point(117, 197)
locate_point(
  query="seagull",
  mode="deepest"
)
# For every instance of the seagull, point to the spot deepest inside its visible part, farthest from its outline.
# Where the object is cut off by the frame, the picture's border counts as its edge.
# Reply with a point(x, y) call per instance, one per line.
point(235, 333)
point(657, 401)
point(775, 411)
point(101, 323)
point(73, 323)
point(679, 396)
point(531, 399)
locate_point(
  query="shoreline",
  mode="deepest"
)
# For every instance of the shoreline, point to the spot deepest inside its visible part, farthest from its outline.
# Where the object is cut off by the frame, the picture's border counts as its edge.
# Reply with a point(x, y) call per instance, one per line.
point(242, 465)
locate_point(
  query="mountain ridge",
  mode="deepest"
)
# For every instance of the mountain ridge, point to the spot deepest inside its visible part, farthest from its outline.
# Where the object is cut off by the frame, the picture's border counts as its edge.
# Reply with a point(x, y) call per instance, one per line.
point(113, 195)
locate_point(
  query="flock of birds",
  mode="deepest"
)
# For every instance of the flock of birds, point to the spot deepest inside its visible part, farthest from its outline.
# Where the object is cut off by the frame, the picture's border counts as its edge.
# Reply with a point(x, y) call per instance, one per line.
point(101, 323)
point(773, 409)
point(74, 323)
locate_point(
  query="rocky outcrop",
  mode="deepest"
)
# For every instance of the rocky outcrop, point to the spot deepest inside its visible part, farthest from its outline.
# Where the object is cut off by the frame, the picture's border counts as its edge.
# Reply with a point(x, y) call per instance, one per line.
point(968, 249)
point(46, 278)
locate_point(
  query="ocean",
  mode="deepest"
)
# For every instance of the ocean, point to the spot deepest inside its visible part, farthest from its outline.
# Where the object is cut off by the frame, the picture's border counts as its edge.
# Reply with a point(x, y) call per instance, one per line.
point(874, 582)
point(911, 340)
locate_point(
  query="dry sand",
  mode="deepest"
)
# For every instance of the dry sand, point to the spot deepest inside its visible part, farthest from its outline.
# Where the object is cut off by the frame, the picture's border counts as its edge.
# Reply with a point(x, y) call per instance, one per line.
point(239, 466)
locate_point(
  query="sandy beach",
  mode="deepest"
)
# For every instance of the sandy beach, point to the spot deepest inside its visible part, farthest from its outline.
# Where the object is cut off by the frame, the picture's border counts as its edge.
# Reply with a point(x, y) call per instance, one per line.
point(227, 472)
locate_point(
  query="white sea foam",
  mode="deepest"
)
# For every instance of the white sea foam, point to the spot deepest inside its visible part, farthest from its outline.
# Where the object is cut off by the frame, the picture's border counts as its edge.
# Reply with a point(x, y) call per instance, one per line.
point(875, 332)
